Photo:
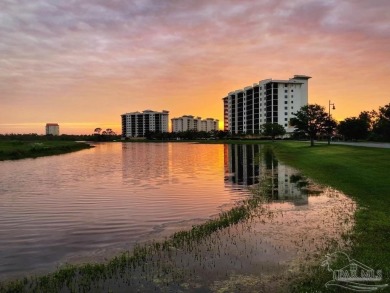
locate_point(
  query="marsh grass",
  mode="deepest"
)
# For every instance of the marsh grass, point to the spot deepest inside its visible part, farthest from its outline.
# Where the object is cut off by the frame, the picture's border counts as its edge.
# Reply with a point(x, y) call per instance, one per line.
point(14, 150)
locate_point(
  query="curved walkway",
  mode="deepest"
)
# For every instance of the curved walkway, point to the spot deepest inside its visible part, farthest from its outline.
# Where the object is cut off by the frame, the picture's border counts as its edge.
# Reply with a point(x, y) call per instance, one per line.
point(384, 145)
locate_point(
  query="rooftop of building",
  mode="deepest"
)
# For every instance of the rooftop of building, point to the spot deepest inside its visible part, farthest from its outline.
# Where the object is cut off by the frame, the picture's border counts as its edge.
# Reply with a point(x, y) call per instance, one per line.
point(193, 117)
point(147, 112)
point(297, 79)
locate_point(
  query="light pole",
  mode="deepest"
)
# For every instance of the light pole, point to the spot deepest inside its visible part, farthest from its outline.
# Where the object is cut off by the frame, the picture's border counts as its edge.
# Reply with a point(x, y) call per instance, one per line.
point(330, 129)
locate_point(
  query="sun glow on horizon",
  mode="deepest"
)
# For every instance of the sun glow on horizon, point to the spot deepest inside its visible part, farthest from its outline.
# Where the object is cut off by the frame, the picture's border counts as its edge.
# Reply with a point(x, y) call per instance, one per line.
point(89, 62)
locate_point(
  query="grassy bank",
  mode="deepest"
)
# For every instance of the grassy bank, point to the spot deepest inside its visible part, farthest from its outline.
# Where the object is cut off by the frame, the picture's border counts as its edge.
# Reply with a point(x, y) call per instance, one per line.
point(14, 150)
point(363, 174)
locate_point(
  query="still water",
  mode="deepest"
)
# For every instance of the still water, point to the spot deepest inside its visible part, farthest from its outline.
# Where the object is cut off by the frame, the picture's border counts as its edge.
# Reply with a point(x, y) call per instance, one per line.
point(95, 203)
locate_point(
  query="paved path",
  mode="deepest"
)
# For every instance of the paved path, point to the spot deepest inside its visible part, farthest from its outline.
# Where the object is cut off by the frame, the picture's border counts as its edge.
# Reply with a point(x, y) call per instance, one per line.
point(384, 145)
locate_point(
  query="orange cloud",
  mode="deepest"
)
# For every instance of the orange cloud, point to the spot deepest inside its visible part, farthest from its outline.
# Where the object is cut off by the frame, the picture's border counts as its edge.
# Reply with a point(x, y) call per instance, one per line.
point(91, 61)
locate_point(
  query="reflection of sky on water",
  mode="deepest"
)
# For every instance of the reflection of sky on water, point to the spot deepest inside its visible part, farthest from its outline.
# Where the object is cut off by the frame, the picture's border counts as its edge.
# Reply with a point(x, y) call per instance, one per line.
point(93, 203)
point(286, 234)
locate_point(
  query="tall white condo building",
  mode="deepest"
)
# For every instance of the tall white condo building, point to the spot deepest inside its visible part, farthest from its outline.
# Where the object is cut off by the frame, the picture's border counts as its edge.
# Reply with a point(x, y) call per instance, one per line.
point(275, 101)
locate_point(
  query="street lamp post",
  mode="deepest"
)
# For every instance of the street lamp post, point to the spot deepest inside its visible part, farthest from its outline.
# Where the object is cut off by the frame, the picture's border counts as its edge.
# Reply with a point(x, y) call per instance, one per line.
point(333, 108)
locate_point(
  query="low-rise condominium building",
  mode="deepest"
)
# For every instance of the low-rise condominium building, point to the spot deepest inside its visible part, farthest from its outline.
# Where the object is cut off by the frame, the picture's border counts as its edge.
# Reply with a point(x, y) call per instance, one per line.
point(136, 124)
point(52, 129)
point(189, 122)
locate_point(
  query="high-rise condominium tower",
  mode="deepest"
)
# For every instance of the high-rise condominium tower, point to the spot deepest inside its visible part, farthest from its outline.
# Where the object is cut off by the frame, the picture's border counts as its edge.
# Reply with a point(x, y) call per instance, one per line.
point(275, 101)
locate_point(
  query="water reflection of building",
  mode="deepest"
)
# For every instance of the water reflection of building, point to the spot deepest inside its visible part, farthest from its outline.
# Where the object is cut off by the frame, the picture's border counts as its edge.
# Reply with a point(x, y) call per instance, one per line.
point(143, 162)
point(241, 167)
point(254, 164)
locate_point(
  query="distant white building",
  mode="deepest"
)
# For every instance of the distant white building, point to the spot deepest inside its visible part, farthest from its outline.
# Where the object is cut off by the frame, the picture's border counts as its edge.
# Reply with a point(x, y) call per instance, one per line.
point(52, 129)
point(210, 124)
point(189, 122)
point(272, 101)
point(136, 124)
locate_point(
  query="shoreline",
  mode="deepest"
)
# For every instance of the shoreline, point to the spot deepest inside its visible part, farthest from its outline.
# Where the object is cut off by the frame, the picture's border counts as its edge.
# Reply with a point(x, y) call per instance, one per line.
point(11, 150)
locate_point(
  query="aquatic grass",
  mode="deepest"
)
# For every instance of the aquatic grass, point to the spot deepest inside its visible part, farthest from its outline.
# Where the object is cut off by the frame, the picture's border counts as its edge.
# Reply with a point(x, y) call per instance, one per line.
point(14, 150)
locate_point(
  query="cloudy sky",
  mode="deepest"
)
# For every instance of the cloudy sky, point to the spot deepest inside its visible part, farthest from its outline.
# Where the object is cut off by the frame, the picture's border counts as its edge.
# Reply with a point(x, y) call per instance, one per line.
point(84, 63)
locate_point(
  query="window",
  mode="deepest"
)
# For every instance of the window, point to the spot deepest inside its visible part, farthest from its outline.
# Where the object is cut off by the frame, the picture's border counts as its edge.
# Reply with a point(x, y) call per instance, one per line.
point(285, 91)
point(285, 102)
point(285, 113)
point(285, 85)
point(285, 119)
point(292, 102)
point(285, 124)
point(292, 107)
point(286, 96)
point(292, 113)
point(285, 108)
point(292, 91)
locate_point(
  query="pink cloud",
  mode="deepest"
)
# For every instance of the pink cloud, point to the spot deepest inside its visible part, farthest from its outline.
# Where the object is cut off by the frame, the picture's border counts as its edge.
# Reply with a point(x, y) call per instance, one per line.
point(182, 54)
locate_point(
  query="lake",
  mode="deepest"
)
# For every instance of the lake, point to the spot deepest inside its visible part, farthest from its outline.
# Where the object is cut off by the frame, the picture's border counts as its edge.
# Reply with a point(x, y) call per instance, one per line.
point(93, 204)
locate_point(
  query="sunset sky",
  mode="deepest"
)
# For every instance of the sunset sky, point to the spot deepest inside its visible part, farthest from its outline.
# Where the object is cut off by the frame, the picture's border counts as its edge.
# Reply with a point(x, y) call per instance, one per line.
point(84, 63)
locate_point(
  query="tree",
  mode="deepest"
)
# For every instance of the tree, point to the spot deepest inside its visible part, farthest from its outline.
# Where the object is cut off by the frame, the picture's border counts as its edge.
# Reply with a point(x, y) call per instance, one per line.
point(221, 134)
point(354, 128)
point(331, 126)
point(97, 131)
point(368, 118)
point(382, 125)
point(272, 129)
point(312, 120)
point(108, 131)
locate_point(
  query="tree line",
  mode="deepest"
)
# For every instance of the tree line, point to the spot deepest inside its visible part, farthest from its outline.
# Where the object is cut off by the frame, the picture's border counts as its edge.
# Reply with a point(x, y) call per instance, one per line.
point(62, 137)
point(268, 130)
point(313, 121)
point(310, 122)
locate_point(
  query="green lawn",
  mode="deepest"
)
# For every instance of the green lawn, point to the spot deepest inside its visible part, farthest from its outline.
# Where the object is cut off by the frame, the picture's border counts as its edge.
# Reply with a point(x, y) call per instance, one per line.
point(13, 150)
point(361, 173)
